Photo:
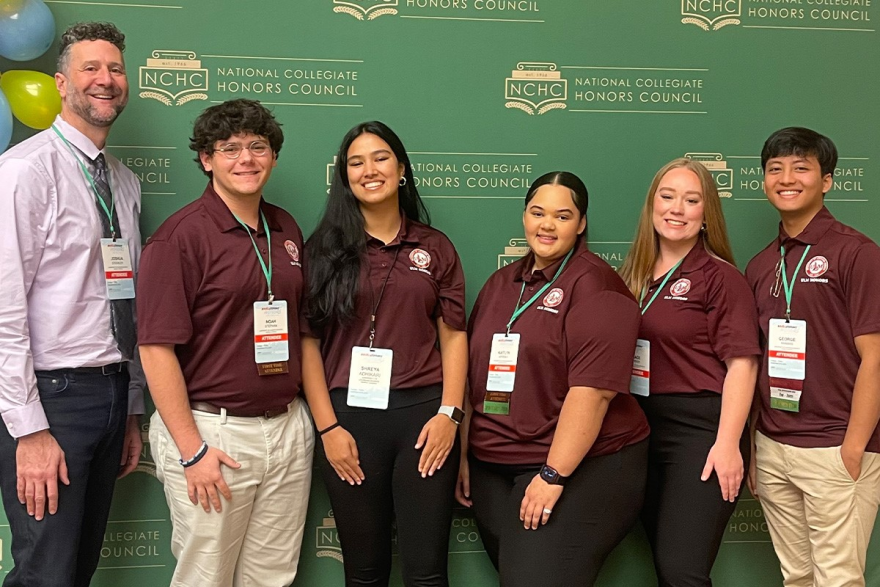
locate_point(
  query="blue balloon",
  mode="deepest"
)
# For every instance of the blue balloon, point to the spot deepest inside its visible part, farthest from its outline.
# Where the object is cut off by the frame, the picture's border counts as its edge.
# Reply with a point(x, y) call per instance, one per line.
point(28, 33)
point(5, 123)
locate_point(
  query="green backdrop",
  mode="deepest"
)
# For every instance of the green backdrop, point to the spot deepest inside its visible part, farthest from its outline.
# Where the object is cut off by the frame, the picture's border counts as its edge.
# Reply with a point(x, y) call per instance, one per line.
point(487, 95)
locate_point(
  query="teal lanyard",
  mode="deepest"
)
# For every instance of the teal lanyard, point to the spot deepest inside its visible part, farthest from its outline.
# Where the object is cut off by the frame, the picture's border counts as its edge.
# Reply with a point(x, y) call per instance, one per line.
point(520, 309)
point(91, 180)
point(659, 289)
point(789, 287)
point(267, 271)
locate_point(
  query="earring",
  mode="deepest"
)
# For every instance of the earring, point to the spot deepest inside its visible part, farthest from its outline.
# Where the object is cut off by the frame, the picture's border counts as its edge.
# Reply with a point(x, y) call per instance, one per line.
point(402, 181)
point(703, 227)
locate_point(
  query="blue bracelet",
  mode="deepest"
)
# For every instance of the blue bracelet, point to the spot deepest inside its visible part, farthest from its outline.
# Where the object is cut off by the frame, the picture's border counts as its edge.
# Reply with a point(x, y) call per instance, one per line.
point(203, 450)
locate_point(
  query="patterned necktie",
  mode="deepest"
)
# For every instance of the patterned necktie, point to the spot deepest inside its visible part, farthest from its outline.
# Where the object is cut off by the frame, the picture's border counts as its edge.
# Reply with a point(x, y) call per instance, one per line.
point(121, 311)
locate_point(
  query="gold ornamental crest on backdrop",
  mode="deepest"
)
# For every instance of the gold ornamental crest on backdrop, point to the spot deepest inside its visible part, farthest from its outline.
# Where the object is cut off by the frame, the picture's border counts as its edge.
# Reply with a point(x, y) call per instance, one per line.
point(536, 87)
point(711, 14)
point(369, 9)
point(173, 78)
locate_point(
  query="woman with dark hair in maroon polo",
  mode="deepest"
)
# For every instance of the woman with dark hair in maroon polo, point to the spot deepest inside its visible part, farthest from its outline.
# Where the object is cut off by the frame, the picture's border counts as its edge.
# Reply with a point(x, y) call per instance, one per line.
point(385, 374)
point(694, 369)
point(556, 445)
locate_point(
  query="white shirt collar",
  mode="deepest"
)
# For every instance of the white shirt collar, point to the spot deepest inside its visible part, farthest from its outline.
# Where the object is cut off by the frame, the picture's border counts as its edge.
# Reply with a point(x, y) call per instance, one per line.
point(77, 139)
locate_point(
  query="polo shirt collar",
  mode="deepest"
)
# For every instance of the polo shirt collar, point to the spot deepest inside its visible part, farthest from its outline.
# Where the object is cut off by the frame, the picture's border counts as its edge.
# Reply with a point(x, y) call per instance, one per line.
point(815, 230)
point(548, 272)
point(405, 234)
point(223, 217)
point(83, 143)
point(696, 258)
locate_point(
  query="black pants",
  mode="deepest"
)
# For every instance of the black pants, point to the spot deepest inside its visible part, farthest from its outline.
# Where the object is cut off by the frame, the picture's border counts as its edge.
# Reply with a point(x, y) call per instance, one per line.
point(684, 517)
point(598, 507)
point(87, 415)
point(393, 487)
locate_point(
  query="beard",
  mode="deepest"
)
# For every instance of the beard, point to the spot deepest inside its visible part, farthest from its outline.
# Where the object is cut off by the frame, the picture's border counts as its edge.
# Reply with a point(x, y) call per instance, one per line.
point(95, 115)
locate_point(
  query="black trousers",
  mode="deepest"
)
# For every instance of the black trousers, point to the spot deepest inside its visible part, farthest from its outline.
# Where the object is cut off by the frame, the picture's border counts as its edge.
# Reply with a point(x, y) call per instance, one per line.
point(598, 507)
point(87, 415)
point(684, 517)
point(392, 488)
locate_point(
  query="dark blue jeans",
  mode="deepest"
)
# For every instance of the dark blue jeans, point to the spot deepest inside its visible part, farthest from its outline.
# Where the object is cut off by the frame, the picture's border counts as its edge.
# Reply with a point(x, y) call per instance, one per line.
point(87, 414)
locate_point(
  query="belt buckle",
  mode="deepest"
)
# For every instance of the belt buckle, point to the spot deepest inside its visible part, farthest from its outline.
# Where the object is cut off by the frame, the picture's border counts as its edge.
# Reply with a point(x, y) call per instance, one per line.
point(111, 369)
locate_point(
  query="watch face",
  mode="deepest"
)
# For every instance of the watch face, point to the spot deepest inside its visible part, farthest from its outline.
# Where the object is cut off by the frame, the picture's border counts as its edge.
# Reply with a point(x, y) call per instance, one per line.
point(549, 475)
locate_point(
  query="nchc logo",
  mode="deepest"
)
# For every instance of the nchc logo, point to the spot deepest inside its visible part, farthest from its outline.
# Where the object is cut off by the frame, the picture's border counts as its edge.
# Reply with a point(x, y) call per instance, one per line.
point(719, 169)
point(327, 540)
point(711, 14)
point(173, 78)
point(535, 88)
point(516, 249)
point(371, 9)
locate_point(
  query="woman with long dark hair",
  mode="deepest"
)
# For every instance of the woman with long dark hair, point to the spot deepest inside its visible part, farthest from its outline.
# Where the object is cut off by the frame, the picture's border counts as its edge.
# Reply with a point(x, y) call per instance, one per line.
point(385, 365)
point(555, 469)
point(695, 369)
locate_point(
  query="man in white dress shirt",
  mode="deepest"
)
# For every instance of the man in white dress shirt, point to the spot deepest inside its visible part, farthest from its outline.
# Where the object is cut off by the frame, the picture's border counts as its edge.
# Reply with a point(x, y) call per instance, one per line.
point(69, 247)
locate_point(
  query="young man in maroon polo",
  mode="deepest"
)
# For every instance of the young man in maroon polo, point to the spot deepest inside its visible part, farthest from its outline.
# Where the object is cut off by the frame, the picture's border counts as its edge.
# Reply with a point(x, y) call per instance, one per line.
point(817, 468)
point(219, 297)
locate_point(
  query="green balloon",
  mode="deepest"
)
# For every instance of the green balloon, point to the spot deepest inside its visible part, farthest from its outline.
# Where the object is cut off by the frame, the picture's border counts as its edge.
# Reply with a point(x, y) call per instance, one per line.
point(33, 97)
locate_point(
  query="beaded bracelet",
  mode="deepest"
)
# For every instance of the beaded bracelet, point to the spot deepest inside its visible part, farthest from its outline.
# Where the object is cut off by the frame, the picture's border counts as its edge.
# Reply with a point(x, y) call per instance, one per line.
point(203, 450)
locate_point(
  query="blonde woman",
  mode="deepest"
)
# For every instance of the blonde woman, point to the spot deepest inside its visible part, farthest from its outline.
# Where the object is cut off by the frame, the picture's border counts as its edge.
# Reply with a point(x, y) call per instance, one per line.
point(694, 371)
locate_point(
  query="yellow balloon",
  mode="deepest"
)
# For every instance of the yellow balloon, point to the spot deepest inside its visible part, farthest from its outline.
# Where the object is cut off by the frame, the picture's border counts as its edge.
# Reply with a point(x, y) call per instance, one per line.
point(33, 97)
point(10, 7)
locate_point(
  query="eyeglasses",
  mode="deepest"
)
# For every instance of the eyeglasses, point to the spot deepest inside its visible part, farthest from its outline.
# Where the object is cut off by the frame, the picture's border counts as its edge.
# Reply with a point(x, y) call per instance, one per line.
point(257, 149)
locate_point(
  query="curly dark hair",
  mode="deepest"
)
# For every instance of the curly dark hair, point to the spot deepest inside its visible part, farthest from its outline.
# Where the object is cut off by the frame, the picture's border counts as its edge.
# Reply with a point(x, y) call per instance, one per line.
point(218, 123)
point(88, 31)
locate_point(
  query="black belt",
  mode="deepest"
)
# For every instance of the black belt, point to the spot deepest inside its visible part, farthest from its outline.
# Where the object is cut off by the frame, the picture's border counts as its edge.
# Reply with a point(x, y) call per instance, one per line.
point(212, 409)
point(111, 369)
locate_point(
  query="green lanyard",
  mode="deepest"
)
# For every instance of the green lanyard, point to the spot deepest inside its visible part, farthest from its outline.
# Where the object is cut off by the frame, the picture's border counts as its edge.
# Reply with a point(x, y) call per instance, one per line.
point(85, 170)
point(520, 309)
point(659, 289)
point(789, 287)
point(267, 271)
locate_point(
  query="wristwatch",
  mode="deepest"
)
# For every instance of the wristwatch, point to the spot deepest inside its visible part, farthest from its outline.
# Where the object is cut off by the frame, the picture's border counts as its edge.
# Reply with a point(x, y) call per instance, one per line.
point(551, 476)
point(454, 413)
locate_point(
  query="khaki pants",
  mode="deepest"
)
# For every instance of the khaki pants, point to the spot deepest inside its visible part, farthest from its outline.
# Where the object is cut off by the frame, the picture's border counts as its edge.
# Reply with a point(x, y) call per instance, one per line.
point(820, 520)
point(256, 539)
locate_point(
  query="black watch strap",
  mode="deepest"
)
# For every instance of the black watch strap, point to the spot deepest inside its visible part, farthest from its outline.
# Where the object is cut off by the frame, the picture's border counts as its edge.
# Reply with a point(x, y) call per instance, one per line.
point(551, 476)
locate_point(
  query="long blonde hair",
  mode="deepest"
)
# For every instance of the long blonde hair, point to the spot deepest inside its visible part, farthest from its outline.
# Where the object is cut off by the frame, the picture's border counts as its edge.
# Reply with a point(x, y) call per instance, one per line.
point(638, 267)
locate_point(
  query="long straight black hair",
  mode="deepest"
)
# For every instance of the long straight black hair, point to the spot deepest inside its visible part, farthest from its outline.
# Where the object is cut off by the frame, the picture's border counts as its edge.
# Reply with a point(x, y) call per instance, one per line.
point(337, 247)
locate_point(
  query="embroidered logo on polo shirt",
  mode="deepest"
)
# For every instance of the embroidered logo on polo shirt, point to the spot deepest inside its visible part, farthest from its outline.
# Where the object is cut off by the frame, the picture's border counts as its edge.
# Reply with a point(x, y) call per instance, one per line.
point(815, 269)
point(420, 258)
point(817, 266)
point(293, 251)
point(680, 287)
point(553, 298)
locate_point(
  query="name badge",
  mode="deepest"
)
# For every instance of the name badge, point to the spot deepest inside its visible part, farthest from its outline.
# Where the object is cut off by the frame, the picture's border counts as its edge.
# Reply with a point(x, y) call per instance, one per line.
point(271, 344)
point(502, 373)
point(787, 349)
point(786, 395)
point(118, 272)
point(369, 379)
point(639, 382)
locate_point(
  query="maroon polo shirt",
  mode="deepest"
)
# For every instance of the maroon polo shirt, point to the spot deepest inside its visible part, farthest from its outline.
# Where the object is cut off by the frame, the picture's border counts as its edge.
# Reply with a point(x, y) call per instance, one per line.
point(586, 339)
point(704, 316)
point(837, 296)
point(199, 278)
point(425, 282)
